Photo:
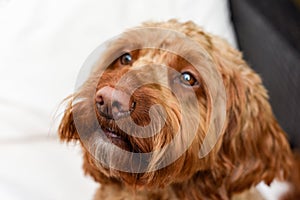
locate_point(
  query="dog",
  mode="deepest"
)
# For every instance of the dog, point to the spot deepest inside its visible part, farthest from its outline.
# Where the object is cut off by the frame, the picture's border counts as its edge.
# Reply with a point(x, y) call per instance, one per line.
point(172, 112)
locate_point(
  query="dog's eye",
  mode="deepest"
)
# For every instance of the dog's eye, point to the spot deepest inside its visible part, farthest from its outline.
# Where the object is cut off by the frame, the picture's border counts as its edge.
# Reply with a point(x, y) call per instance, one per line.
point(126, 59)
point(188, 79)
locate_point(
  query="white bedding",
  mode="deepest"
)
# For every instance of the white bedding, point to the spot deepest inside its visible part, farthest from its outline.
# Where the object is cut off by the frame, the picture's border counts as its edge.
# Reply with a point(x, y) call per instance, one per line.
point(43, 44)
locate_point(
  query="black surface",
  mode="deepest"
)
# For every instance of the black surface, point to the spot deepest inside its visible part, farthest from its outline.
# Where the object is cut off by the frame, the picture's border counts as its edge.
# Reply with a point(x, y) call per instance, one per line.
point(283, 16)
point(268, 35)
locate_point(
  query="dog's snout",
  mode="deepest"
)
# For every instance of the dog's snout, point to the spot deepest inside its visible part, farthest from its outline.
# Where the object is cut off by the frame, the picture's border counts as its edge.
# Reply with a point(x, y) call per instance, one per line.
point(113, 103)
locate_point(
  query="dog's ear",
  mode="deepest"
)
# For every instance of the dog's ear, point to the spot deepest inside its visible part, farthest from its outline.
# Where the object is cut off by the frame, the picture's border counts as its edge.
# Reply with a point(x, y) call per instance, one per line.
point(67, 130)
point(254, 147)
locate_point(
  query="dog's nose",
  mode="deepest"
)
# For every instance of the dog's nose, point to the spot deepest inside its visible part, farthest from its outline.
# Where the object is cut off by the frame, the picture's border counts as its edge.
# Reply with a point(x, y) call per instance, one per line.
point(113, 103)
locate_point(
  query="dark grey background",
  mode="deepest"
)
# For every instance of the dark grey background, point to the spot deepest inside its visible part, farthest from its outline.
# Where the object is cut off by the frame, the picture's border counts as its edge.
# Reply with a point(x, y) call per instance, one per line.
point(268, 33)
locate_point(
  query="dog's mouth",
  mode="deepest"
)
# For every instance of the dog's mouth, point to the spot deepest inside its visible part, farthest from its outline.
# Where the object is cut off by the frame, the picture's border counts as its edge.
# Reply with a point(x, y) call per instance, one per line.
point(116, 136)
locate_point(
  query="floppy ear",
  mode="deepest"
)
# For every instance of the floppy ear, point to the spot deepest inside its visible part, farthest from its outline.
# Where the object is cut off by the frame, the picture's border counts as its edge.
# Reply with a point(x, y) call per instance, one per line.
point(67, 130)
point(254, 147)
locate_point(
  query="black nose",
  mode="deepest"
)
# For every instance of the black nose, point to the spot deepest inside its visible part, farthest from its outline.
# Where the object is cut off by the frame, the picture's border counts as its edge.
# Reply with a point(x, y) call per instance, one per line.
point(113, 103)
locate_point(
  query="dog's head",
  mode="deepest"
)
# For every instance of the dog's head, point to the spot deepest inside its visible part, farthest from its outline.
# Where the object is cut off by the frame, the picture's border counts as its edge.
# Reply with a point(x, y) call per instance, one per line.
point(162, 106)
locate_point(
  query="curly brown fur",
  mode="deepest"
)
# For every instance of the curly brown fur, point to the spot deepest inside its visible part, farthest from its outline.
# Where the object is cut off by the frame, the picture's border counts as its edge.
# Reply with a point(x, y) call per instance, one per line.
point(252, 148)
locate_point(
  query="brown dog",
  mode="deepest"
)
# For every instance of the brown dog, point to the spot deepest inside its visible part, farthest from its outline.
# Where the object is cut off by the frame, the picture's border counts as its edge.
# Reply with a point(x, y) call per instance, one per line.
point(155, 122)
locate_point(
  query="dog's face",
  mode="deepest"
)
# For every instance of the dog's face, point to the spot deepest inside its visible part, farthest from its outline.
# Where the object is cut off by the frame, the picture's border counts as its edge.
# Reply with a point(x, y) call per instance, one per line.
point(144, 116)
point(138, 100)
point(149, 106)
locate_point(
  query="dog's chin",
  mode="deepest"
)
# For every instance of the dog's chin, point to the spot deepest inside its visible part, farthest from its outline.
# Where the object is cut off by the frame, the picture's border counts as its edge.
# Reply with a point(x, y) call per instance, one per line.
point(106, 151)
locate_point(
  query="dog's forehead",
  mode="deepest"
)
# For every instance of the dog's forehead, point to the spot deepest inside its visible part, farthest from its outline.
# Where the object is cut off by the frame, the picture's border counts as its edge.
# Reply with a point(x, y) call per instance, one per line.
point(149, 38)
point(146, 57)
point(159, 45)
